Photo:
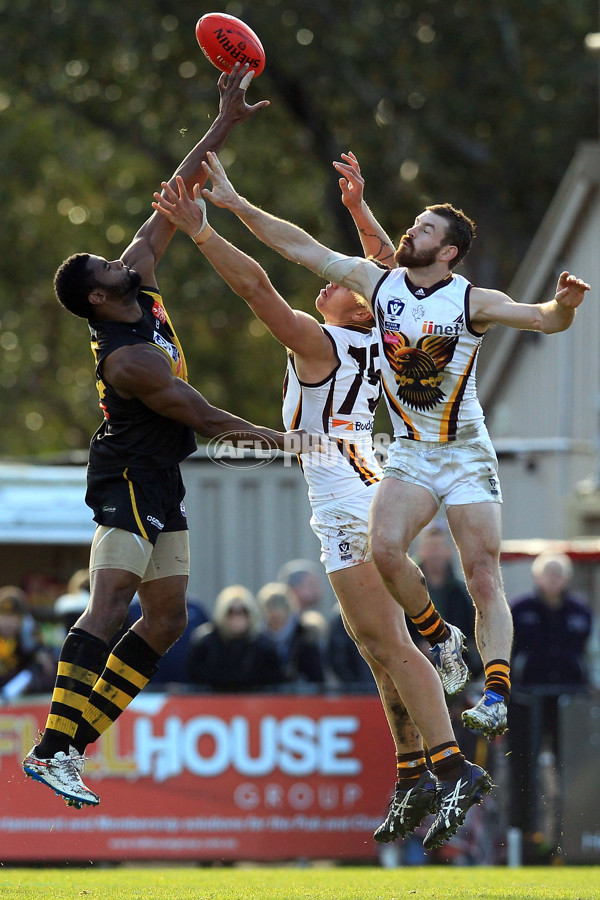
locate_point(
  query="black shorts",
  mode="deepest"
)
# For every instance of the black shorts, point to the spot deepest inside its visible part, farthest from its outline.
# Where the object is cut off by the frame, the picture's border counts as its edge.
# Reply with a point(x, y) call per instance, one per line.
point(143, 501)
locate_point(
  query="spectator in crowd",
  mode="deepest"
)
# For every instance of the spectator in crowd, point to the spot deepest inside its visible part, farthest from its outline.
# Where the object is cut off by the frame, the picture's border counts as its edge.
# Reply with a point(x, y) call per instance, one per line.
point(343, 656)
point(551, 630)
point(304, 579)
point(231, 653)
point(26, 665)
point(296, 638)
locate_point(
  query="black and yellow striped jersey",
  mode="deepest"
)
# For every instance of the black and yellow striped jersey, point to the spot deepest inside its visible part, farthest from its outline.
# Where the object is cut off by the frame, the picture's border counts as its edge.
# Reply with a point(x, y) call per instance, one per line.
point(131, 433)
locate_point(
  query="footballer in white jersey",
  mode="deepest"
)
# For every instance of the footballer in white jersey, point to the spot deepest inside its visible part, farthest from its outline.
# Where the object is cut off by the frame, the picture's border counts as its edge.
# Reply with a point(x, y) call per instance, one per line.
point(343, 475)
point(429, 355)
point(342, 408)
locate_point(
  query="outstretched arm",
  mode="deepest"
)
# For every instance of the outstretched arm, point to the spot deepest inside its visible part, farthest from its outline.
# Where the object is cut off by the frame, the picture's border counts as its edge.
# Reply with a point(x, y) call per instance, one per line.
point(143, 371)
point(375, 242)
point(295, 329)
point(290, 241)
point(152, 239)
point(489, 307)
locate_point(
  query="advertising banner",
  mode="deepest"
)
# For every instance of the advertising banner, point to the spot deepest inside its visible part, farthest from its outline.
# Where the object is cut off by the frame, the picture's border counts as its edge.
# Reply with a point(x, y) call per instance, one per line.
point(261, 777)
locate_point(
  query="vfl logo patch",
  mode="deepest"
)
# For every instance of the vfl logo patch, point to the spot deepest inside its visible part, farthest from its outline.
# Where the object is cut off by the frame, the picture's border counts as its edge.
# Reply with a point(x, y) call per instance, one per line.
point(395, 308)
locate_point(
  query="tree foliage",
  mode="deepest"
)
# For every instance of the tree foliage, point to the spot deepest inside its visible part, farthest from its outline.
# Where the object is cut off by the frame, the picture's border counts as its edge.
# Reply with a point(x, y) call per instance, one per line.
point(479, 104)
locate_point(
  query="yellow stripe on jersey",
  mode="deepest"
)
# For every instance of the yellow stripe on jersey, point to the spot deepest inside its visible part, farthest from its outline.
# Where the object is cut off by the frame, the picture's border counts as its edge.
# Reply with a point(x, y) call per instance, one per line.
point(350, 452)
point(182, 373)
point(297, 415)
point(413, 433)
point(136, 514)
point(449, 423)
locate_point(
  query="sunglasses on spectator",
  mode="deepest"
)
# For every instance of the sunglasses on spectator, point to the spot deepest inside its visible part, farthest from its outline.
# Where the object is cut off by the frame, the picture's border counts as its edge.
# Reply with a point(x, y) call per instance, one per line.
point(237, 611)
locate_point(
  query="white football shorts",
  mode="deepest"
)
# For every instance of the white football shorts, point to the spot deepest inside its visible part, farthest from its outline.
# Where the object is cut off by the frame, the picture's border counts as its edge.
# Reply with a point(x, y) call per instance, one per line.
point(455, 472)
point(342, 527)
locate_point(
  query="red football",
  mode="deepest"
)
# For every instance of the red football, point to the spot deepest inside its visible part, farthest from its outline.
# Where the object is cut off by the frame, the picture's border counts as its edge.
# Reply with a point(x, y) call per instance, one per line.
point(225, 40)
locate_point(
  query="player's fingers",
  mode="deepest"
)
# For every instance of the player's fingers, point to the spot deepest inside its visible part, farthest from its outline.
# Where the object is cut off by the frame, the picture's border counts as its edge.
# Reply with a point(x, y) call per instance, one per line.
point(350, 172)
point(183, 191)
point(343, 168)
point(168, 191)
point(352, 160)
point(159, 206)
point(260, 105)
point(236, 74)
point(247, 79)
point(160, 198)
point(215, 163)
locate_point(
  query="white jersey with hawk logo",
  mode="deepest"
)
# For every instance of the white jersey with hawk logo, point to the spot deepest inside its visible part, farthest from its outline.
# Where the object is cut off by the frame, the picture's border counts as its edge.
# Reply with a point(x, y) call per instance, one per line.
point(341, 407)
point(428, 358)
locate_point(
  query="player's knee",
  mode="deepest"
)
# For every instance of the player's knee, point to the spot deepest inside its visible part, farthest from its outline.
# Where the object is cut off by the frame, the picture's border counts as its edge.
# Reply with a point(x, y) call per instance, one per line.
point(106, 612)
point(378, 646)
point(484, 580)
point(387, 556)
point(168, 626)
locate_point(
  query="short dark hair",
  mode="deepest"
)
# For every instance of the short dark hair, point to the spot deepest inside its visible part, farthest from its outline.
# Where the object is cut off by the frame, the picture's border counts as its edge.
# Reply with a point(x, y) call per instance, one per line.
point(460, 229)
point(73, 283)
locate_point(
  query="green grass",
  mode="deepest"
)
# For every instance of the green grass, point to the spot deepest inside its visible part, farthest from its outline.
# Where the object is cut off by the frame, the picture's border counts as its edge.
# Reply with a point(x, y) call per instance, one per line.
point(364, 883)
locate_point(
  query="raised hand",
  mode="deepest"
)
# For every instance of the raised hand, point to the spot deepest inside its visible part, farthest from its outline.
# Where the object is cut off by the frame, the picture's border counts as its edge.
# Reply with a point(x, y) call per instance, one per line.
point(232, 89)
point(187, 213)
point(352, 183)
point(570, 290)
point(223, 192)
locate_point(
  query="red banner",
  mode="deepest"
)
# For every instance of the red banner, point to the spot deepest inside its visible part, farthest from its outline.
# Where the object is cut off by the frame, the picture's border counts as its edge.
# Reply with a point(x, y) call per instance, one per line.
point(197, 777)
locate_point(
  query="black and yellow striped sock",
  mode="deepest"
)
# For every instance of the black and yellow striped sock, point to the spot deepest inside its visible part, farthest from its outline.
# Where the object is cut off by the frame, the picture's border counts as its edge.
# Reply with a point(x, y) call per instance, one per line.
point(430, 625)
point(410, 767)
point(447, 761)
point(82, 658)
point(128, 670)
point(497, 678)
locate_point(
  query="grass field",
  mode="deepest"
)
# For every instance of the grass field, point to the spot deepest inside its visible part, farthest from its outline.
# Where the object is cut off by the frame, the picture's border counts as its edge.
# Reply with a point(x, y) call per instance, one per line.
point(364, 883)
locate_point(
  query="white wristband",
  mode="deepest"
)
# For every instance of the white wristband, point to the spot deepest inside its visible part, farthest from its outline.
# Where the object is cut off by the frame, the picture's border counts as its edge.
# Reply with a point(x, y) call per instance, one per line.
point(199, 201)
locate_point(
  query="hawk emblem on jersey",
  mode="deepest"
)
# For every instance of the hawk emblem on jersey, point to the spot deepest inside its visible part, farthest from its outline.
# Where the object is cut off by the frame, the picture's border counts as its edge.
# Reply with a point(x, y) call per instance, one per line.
point(419, 370)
